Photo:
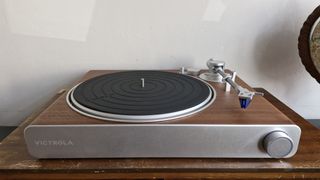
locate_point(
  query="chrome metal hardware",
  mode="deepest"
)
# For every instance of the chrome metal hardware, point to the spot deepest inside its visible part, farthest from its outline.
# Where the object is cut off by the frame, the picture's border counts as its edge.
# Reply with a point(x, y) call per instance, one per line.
point(216, 74)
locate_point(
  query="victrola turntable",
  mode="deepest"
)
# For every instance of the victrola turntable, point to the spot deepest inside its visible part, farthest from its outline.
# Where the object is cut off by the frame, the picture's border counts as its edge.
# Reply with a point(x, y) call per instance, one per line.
point(186, 114)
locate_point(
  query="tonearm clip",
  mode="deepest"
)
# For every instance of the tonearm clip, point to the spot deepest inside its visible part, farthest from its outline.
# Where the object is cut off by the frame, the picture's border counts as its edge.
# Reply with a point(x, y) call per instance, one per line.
point(216, 74)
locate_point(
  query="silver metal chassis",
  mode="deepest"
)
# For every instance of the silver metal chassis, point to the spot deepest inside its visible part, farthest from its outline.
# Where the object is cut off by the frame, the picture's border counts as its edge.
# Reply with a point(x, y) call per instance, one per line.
point(153, 140)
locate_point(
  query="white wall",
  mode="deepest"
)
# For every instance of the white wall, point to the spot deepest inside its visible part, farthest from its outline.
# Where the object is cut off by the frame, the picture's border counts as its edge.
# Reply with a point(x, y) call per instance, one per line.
point(47, 44)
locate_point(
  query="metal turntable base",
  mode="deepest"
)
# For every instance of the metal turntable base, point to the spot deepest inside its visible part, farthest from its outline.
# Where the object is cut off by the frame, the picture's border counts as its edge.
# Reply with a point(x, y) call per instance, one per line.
point(141, 96)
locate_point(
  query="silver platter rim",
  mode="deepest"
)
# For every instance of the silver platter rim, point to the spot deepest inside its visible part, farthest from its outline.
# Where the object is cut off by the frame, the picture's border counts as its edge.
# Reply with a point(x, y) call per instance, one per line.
point(74, 105)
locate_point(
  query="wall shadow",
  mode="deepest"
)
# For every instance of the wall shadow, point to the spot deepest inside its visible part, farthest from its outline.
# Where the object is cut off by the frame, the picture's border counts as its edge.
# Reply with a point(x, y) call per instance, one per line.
point(276, 58)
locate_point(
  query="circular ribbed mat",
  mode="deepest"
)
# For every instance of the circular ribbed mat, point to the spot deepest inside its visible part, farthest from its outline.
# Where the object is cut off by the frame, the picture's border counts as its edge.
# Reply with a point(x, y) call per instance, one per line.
point(141, 96)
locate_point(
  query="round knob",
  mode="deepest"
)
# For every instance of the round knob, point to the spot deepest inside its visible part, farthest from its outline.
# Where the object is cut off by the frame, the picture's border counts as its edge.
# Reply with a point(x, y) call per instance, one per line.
point(278, 144)
point(215, 64)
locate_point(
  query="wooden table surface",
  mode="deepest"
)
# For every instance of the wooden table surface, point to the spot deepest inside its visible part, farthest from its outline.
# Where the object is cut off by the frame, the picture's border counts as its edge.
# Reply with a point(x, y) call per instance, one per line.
point(16, 163)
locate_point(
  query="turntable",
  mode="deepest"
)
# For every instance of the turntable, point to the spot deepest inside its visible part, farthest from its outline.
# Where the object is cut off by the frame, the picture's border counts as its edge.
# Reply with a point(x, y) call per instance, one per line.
point(157, 114)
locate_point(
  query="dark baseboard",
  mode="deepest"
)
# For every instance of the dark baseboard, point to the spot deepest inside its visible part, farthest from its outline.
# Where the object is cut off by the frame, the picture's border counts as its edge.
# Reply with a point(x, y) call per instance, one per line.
point(5, 131)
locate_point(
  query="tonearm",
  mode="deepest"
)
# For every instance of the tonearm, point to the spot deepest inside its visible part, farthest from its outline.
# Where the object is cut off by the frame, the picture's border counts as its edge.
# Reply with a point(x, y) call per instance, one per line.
point(216, 73)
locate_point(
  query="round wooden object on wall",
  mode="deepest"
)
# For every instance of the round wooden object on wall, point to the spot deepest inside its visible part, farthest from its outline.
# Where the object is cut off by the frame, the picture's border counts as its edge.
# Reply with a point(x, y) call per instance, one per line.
point(309, 44)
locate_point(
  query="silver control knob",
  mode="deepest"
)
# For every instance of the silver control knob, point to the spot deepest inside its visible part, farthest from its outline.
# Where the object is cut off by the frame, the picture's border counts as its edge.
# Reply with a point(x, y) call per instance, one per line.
point(278, 144)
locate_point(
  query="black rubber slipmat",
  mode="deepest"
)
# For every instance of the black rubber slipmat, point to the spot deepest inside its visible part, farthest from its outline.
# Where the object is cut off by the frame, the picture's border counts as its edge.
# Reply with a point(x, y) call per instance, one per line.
point(123, 93)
